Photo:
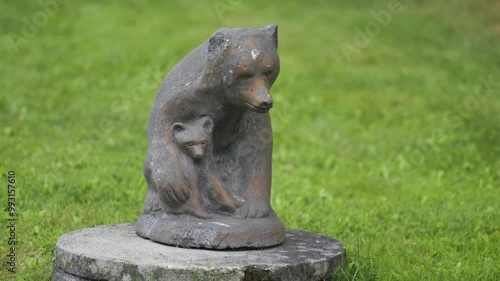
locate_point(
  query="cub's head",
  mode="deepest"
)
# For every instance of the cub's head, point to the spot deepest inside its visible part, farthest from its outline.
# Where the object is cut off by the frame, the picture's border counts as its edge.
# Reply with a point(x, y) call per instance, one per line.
point(194, 137)
point(249, 65)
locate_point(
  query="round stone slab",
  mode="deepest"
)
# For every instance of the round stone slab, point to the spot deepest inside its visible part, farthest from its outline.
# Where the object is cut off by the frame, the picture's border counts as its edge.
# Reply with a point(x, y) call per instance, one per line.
point(116, 252)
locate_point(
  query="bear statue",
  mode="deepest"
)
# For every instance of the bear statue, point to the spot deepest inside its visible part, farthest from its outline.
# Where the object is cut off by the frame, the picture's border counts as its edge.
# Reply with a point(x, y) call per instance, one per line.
point(208, 167)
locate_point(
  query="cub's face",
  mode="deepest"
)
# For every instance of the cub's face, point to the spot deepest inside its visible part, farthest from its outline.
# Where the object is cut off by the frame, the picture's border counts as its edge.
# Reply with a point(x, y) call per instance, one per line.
point(194, 137)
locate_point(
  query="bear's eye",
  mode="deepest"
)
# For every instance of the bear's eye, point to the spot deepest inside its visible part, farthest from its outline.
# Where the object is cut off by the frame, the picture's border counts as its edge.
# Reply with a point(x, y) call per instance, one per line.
point(269, 73)
point(204, 142)
point(191, 143)
point(246, 76)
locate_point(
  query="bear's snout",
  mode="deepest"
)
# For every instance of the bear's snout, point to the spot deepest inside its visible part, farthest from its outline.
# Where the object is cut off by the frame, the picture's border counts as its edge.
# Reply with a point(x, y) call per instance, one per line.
point(259, 99)
point(266, 101)
point(267, 104)
point(198, 153)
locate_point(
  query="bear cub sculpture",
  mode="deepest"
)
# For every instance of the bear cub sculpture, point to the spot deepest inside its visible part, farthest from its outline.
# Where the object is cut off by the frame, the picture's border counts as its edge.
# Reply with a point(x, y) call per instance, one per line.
point(195, 140)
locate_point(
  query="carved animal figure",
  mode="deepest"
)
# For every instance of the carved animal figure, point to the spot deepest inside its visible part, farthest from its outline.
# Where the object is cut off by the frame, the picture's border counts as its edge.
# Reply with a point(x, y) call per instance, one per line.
point(227, 78)
point(194, 138)
point(195, 141)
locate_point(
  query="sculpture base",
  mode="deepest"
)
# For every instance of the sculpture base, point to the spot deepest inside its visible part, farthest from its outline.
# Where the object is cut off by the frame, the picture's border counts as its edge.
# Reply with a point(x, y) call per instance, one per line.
point(188, 231)
point(115, 252)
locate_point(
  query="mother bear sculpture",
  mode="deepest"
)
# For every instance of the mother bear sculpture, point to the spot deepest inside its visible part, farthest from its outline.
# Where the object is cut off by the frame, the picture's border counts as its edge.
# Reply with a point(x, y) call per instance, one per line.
point(226, 79)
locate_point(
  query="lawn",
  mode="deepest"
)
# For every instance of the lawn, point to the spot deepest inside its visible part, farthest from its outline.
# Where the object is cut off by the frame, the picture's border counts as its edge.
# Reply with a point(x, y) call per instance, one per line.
point(386, 123)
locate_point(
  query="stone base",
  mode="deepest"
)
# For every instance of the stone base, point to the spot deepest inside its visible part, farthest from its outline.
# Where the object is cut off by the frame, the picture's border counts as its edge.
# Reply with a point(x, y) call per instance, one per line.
point(191, 232)
point(115, 252)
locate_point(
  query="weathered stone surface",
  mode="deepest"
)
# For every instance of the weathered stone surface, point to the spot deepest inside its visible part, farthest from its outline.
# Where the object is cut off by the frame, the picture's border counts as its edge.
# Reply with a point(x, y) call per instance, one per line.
point(210, 144)
point(219, 232)
point(115, 252)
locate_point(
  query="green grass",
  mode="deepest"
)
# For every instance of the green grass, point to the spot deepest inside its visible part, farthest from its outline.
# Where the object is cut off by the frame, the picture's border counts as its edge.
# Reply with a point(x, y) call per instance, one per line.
point(392, 152)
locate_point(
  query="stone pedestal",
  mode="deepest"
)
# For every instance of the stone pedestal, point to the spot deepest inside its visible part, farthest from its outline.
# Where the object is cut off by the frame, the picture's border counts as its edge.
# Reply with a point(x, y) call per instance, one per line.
point(116, 252)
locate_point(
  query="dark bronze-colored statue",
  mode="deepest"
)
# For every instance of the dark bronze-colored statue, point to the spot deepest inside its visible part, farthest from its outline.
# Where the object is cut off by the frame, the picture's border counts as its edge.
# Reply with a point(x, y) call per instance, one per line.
point(208, 167)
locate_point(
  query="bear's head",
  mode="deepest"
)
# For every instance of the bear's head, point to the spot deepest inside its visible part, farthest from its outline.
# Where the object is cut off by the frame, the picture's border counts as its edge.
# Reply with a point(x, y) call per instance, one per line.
point(194, 137)
point(248, 64)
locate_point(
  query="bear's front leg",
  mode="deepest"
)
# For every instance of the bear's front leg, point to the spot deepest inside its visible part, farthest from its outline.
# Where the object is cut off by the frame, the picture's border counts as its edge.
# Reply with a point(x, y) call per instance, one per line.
point(230, 201)
point(193, 207)
point(170, 183)
point(174, 193)
point(258, 194)
point(258, 164)
point(257, 202)
point(254, 209)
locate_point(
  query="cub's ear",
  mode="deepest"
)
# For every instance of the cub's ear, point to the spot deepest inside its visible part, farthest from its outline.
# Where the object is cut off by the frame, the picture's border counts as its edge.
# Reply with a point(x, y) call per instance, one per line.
point(217, 44)
point(178, 127)
point(272, 30)
point(208, 124)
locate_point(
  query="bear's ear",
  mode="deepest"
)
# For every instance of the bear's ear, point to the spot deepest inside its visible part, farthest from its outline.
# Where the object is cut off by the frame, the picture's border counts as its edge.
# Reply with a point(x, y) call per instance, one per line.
point(217, 44)
point(178, 127)
point(272, 30)
point(208, 124)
